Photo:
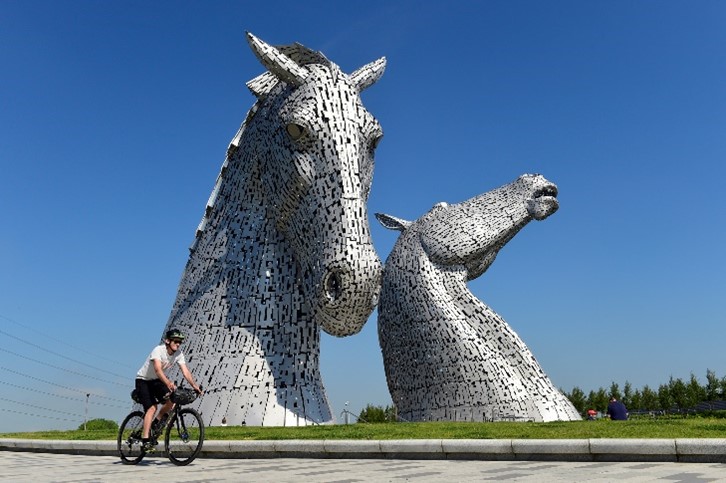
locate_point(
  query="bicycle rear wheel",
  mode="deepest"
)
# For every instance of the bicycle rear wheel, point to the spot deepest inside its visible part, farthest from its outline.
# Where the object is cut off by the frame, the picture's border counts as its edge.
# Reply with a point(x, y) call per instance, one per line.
point(184, 437)
point(129, 438)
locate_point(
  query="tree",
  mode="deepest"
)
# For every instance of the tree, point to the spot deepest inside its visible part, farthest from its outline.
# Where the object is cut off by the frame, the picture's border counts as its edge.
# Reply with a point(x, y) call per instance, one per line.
point(713, 386)
point(577, 398)
point(665, 400)
point(679, 392)
point(628, 395)
point(648, 399)
point(598, 400)
point(635, 401)
point(674, 394)
point(695, 393)
point(376, 414)
point(615, 390)
point(391, 414)
point(590, 401)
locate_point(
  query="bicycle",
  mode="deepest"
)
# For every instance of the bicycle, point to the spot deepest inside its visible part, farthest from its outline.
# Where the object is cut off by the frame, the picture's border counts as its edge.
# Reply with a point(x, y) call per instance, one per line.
point(183, 431)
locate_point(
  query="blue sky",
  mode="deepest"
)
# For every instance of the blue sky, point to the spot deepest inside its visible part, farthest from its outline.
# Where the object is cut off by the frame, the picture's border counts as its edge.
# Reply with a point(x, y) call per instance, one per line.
point(115, 117)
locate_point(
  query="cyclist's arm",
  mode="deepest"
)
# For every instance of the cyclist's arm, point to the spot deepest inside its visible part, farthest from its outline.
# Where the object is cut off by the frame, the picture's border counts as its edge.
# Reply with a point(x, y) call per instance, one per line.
point(190, 379)
point(160, 374)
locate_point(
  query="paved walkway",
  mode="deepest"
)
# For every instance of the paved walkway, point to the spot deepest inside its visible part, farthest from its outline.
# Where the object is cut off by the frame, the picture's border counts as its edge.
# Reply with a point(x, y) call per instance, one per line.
point(50, 467)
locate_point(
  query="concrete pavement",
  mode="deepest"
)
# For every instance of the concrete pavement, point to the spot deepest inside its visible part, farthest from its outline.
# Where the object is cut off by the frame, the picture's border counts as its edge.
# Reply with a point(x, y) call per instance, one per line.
point(577, 450)
point(62, 468)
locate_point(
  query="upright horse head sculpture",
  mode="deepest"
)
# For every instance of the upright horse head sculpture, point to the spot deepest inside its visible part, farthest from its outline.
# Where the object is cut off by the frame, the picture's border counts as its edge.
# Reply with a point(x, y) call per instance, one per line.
point(284, 246)
point(447, 355)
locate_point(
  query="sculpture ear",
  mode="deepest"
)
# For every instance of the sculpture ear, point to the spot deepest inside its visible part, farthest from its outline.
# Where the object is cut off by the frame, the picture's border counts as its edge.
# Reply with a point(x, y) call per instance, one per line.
point(393, 223)
point(369, 74)
point(282, 66)
point(263, 84)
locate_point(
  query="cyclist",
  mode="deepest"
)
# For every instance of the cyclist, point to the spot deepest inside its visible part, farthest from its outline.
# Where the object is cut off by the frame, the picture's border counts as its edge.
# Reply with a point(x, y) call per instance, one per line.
point(153, 386)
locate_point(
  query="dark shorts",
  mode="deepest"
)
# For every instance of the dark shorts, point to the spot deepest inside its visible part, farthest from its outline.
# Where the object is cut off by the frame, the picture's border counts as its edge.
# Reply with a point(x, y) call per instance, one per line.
point(151, 393)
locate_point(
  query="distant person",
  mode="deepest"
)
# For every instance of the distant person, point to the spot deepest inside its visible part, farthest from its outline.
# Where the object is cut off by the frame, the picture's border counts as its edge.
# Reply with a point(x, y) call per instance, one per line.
point(617, 410)
point(152, 385)
point(591, 415)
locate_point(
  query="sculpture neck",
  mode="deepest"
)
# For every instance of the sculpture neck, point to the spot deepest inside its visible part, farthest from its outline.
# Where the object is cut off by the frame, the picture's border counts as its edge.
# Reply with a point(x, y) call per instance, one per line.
point(239, 258)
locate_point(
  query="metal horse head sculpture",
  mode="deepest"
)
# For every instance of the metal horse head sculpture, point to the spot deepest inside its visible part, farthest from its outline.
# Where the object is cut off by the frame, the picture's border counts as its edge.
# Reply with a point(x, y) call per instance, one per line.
point(447, 355)
point(284, 247)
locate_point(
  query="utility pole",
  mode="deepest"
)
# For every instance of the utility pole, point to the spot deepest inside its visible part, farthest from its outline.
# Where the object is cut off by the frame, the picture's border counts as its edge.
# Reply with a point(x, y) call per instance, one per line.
point(85, 418)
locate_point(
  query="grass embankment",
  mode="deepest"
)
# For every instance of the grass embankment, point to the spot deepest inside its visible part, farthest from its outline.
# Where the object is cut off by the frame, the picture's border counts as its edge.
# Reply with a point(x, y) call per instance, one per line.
point(640, 428)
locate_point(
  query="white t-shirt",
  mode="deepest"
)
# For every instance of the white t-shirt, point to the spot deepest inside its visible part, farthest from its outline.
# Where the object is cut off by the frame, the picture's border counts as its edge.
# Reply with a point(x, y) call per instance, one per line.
point(147, 371)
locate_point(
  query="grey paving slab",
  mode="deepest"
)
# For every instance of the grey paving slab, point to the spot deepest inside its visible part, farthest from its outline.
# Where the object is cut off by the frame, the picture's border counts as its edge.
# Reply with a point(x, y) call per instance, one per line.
point(552, 449)
point(633, 449)
point(64, 468)
point(711, 450)
point(412, 448)
point(491, 449)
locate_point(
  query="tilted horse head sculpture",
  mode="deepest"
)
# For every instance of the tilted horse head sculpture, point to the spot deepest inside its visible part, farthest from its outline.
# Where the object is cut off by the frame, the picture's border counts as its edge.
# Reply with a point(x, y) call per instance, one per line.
point(447, 355)
point(284, 247)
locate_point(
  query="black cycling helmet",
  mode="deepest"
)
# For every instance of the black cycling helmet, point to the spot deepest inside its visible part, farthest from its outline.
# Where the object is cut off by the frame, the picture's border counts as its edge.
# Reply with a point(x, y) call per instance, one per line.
point(175, 334)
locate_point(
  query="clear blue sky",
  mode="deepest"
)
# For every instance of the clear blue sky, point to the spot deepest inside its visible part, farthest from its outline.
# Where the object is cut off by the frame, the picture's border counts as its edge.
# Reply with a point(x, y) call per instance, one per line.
point(115, 117)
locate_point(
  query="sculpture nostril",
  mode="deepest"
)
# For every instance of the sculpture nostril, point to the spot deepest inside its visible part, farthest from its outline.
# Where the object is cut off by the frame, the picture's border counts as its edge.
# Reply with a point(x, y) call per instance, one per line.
point(333, 286)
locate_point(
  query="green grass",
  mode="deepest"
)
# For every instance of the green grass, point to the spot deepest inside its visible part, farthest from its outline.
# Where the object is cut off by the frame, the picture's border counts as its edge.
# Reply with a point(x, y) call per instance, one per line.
point(638, 428)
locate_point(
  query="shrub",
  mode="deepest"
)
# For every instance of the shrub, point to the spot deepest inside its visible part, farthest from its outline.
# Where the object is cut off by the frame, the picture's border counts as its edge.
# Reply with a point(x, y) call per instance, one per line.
point(99, 424)
point(377, 414)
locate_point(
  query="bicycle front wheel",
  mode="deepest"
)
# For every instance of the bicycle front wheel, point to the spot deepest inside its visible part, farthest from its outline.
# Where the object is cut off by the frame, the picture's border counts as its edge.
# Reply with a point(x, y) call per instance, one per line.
point(129, 438)
point(184, 437)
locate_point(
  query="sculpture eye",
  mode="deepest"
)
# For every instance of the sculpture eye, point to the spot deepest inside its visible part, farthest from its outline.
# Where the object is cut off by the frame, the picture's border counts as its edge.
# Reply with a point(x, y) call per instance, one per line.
point(295, 131)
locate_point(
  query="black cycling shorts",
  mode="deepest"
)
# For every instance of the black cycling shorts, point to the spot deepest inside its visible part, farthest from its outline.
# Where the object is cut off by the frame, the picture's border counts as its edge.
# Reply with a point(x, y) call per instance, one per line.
point(151, 393)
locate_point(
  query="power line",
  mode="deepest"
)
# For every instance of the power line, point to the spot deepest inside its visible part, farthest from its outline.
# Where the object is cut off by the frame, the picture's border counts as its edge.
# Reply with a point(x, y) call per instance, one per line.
point(40, 392)
point(62, 368)
point(61, 355)
point(40, 407)
point(41, 416)
point(61, 396)
point(32, 329)
point(58, 385)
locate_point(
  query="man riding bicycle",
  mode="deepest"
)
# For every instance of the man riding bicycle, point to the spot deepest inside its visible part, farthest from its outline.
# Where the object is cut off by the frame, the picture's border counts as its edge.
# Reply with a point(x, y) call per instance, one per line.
point(153, 386)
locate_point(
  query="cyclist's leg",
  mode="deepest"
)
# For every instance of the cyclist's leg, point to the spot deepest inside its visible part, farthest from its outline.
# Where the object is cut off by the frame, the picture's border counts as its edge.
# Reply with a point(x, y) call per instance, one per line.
point(164, 410)
point(148, 419)
point(161, 395)
point(145, 391)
